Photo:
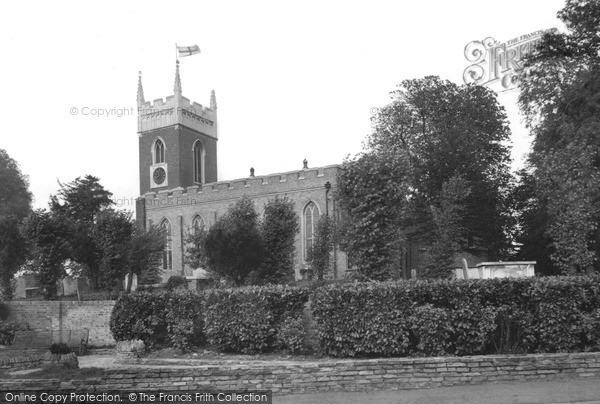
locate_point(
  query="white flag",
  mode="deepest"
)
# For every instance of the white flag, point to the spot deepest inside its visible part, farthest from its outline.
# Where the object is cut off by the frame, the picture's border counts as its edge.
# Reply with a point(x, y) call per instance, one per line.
point(184, 51)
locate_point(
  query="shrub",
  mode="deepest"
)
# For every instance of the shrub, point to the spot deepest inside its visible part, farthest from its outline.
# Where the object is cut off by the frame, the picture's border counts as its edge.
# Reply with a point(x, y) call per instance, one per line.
point(292, 335)
point(177, 282)
point(59, 348)
point(160, 319)
point(432, 329)
point(248, 319)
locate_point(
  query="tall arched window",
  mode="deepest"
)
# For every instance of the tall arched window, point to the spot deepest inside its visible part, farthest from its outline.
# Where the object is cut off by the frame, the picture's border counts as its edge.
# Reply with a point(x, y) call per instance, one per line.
point(167, 255)
point(310, 217)
point(198, 161)
point(159, 152)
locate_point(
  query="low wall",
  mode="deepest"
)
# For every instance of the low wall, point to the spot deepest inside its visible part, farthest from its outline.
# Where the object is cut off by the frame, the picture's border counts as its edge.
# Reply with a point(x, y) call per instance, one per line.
point(325, 375)
point(60, 315)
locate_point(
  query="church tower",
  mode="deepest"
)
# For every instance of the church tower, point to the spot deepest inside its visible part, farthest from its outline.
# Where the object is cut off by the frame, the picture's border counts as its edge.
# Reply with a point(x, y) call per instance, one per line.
point(177, 140)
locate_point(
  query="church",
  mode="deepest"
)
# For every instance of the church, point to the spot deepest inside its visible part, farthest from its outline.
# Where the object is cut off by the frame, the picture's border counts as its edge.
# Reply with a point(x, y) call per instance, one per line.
point(180, 190)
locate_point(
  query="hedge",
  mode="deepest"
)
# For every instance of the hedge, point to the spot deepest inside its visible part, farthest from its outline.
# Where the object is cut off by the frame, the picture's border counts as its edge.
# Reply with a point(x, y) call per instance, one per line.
point(249, 319)
point(416, 318)
point(163, 319)
point(554, 314)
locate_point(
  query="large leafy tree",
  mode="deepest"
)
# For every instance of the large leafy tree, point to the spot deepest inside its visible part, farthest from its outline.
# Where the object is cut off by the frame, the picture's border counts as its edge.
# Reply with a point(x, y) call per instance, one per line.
point(233, 245)
point(126, 249)
point(15, 205)
point(560, 89)
point(79, 204)
point(373, 193)
point(49, 240)
point(435, 170)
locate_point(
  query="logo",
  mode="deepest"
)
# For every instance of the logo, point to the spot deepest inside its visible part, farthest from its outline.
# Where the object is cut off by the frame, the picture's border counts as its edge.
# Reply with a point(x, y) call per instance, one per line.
point(499, 63)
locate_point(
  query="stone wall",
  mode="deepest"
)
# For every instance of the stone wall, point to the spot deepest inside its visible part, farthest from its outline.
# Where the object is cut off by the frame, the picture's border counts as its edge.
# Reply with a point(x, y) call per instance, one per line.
point(328, 375)
point(60, 315)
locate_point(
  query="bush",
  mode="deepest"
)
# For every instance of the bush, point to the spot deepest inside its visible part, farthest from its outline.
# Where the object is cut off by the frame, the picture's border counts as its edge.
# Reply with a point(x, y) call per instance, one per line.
point(432, 329)
point(248, 320)
point(177, 282)
point(160, 319)
point(458, 317)
point(59, 348)
point(292, 335)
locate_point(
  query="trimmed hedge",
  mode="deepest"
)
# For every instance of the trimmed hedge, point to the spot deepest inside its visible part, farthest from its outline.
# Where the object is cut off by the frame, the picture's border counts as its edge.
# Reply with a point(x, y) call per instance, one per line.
point(554, 314)
point(159, 319)
point(249, 319)
point(418, 318)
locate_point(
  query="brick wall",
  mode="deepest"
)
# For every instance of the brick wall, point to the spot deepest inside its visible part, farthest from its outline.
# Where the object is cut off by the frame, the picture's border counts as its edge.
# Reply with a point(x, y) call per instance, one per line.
point(332, 375)
point(57, 316)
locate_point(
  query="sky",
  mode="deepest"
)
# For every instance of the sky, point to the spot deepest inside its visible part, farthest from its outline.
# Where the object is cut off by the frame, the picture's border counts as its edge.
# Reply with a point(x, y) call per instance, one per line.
point(293, 80)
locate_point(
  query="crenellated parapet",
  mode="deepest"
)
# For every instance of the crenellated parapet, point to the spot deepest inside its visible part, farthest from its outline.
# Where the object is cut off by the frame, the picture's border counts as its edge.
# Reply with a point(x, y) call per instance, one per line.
point(275, 184)
point(176, 109)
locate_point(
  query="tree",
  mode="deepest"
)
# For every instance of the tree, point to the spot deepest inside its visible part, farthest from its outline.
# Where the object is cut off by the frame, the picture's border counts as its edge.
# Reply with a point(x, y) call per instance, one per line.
point(560, 86)
point(279, 228)
point(79, 204)
point(319, 257)
point(145, 251)
point(373, 193)
point(448, 222)
point(432, 133)
point(15, 205)
point(112, 234)
point(49, 237)
point(234, 248)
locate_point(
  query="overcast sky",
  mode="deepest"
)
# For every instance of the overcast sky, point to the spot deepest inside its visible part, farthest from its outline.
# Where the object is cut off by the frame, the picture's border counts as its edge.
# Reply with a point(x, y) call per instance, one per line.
point(293, 80)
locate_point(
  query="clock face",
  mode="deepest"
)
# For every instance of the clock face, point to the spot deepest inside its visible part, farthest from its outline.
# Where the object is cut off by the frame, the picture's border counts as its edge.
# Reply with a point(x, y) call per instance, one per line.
point(159, 175)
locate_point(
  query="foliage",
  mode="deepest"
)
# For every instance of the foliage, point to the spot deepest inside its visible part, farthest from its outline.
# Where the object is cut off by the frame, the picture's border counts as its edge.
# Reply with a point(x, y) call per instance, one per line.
point(145, 250)
point(167, 319)
point(560, 84)
point(319, 257)
point(233, 245)
point(458, 317)
point(372, 192)
point(15, 198)
point(279, 228)
point(177, 282)
point(448, 230)
point(112, 232)
point(13, 253)
point(432, 329)
point(49, 239)
point(7, 331)
point(292, 335)
point(59, 348)
point(79, 204)
point(248, 319)
point(15, 205)
point(436, 166)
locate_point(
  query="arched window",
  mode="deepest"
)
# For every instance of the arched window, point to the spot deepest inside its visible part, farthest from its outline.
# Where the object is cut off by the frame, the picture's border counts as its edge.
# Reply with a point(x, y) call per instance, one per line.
point(198, 162)
point(198, 224)
point(310, 217)
point(167, 255)
point(159, 152)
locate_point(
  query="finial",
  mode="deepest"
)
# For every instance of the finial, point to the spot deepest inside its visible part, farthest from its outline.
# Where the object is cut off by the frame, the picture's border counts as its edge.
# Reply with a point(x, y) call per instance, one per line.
point(305, 164)
point(177, 88)
point(251, 171)
point(140, 90)
point(213, 100)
